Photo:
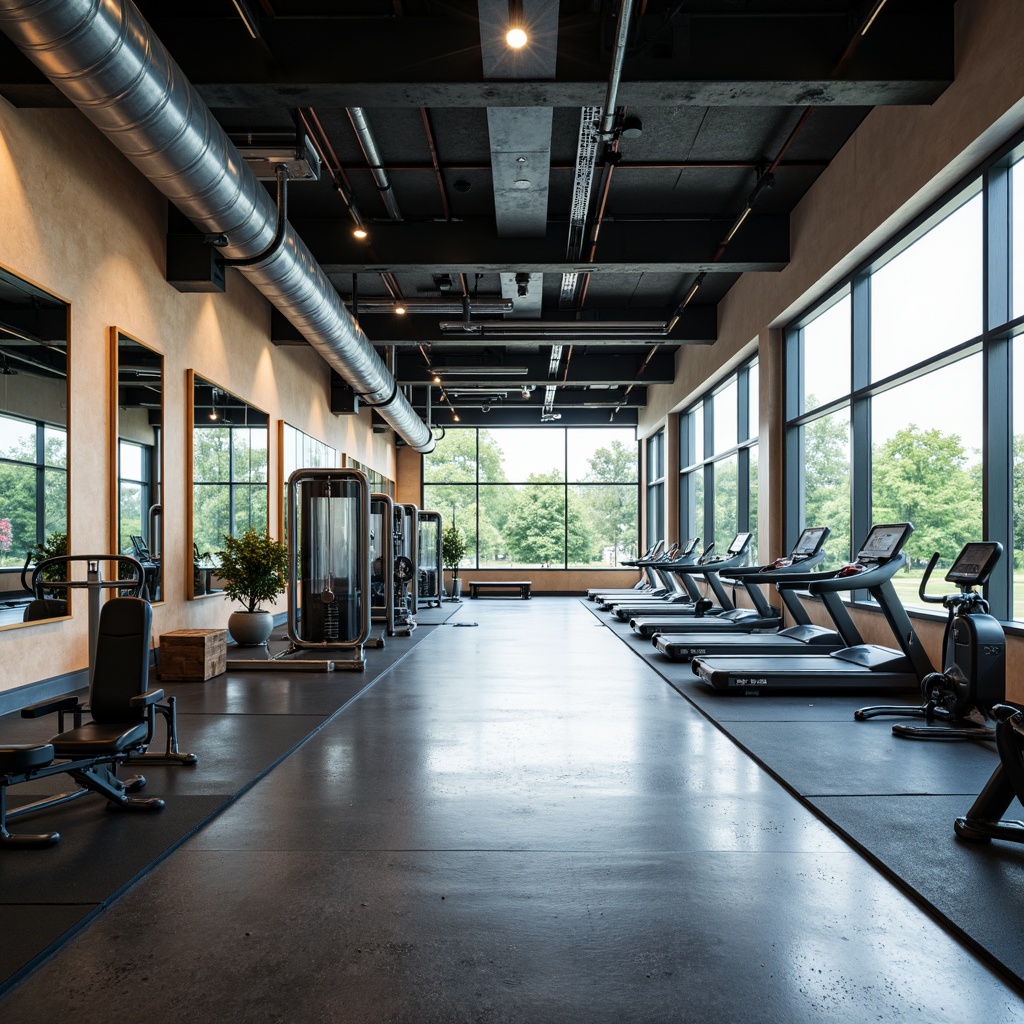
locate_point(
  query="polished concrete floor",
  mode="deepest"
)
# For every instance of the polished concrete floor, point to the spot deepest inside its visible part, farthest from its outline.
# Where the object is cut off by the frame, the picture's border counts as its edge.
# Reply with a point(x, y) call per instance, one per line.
point(519, 822)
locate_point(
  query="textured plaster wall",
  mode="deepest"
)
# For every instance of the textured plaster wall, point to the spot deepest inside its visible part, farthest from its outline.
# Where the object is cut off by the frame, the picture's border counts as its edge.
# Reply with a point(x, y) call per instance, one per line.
point(79, 221)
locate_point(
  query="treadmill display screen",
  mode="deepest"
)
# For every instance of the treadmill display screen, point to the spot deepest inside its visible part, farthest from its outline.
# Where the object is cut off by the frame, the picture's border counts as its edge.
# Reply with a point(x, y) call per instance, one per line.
point(688, 548)
point(974, 564)
point(809, 541)
point(884, 542)
point(738, 544)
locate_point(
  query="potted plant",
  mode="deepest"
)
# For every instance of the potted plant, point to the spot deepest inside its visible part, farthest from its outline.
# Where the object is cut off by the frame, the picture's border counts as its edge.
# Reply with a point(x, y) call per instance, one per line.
point(453, 548)
point(252, 568)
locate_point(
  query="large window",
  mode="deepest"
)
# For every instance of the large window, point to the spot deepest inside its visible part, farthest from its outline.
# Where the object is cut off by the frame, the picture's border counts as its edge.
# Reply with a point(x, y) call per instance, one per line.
point(656, 487)
point(547, 497)
point(33, 486)
point(135, 489)
point(905, 391)
point(718, 462)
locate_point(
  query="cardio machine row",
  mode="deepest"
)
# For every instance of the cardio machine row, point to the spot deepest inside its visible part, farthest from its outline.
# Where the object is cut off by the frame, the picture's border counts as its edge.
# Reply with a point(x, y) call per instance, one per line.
point(959, 700)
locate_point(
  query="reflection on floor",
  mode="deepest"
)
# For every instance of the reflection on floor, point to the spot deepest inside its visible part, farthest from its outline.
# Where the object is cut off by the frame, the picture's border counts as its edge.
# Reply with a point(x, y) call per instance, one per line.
point(517, 822)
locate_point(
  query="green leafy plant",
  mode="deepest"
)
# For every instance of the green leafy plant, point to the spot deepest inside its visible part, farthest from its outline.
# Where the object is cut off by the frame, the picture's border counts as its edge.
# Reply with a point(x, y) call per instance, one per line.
point(252, 568)
point(453, 548)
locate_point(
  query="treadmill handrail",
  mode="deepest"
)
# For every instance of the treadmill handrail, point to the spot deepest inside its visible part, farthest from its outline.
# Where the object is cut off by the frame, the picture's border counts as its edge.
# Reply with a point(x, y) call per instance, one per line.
point(768, 573)
point(862, 580)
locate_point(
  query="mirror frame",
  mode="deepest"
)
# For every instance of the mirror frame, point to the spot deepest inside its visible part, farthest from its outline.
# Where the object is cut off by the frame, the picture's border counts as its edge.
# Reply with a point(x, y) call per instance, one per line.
point(115, 333)
point(190, 411)
point(34, 286)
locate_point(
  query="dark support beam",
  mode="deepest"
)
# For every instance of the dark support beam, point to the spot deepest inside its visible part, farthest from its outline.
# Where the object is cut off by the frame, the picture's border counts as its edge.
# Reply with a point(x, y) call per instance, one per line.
point(513, 416)
point(697, 59)
point(627, 247)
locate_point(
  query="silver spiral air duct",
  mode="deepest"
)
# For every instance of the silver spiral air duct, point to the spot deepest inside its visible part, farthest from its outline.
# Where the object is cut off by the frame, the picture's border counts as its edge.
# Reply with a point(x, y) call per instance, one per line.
point(107, 60)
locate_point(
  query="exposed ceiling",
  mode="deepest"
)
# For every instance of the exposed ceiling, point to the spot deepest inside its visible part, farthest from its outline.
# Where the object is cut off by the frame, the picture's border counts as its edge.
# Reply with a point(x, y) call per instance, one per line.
point(557, 221)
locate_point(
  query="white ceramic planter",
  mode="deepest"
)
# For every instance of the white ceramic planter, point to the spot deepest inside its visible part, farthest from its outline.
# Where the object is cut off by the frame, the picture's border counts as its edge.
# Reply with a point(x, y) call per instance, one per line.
point(250, 629)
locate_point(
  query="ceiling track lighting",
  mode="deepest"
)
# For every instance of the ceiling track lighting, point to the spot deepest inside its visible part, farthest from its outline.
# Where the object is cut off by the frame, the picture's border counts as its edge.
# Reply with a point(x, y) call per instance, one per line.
point(516, 37)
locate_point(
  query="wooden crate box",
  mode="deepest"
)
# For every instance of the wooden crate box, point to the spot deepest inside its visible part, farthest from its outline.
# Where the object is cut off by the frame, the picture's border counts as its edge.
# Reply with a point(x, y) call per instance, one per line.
point(193, 655)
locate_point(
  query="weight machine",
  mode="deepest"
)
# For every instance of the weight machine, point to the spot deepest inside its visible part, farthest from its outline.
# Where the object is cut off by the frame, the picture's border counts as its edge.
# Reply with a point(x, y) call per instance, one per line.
point(429, 577)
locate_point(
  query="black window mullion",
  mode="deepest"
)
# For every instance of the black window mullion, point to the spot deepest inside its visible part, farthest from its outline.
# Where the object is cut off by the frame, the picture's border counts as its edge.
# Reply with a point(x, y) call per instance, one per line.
point(997, 443)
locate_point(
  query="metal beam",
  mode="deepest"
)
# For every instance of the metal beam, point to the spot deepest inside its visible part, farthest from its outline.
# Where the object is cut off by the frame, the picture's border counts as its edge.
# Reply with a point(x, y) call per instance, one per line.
point(597, 368)
point(698, 325)
point(627, 247)
point(512, 416)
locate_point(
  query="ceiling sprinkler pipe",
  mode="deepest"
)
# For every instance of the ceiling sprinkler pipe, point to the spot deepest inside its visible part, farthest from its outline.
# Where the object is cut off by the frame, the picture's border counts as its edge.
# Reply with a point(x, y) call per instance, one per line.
point(107, 60)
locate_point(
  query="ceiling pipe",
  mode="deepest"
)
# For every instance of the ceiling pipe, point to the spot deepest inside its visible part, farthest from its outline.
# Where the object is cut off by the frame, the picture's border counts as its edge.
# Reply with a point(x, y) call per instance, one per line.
point(107, 60)
point(618, 59)
point(369, 146)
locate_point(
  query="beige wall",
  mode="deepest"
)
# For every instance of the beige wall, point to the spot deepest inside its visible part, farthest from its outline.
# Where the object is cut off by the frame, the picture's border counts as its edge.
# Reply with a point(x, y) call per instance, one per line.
point(79, 221)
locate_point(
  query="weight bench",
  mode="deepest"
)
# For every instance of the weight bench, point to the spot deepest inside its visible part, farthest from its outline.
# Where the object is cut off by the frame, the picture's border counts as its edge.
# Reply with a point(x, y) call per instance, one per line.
point(523, 586)
point(122, 712)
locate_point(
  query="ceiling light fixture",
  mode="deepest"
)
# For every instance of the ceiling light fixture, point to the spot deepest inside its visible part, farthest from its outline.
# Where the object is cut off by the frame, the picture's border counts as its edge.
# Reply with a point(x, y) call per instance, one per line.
point(871, 19)
point(360, 232)
point(451, 304)
point(483, 371)
point(399, 309)
point(516, 36)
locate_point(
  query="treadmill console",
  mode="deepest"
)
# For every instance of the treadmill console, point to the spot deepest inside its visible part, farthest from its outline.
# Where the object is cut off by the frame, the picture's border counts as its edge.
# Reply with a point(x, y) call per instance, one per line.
point(885, 542)
point(809, 542)
point(689, 547)
point(739, 542)
point(974, 564)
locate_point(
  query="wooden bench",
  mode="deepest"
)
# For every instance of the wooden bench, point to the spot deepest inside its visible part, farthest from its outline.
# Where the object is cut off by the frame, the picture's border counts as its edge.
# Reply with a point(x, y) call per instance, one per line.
point(523, 586)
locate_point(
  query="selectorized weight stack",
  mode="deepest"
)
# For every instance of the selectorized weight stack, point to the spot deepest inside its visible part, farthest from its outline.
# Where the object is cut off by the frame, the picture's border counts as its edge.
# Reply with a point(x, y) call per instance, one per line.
point(382, 565)
point(429, 571)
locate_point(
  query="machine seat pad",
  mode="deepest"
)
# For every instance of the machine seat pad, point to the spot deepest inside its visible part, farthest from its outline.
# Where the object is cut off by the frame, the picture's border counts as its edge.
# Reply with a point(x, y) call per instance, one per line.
point(20, 757)
point(95, 739)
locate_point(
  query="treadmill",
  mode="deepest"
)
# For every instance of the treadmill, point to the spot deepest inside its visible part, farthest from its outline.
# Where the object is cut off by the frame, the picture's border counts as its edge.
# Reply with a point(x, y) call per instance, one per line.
point(653, 583)
point(857, 669)
point(763, 617)
point(695, 604)
point(666, 572)
point(642, 585)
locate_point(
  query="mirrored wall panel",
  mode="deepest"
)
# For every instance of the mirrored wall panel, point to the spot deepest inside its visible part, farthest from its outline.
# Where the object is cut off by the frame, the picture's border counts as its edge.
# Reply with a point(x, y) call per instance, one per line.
point(34, 400)
point(137, 458)
point(299, 450)
point(229, 456)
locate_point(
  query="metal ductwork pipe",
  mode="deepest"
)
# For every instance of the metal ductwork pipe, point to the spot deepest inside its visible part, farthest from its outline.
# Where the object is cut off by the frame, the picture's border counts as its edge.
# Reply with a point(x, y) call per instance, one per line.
point(106, 59)
point(369, 146)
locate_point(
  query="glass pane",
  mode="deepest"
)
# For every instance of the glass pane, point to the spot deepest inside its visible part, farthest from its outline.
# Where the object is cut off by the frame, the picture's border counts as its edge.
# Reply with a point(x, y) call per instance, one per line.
point(753, 385)
point(250, 509)
point(1017, 604)
point(55, 507)
point(697, 421)
point(604, 517)
point(725, 412)
point(929, 297)
point(602, 455)
point(130, 510)
point(457, 504)
point(656, 457)
point(825, 444)
point(211, 460)
point(250, 454)
point(726, 510)
point(453, 460)
point(17, 513)
point(131, 462)
point(17, 439)
point(697, 486)
point(55, 445)
point(211, 521)
point(926, 466)
point(522, 456)
point(753, 520)
point(1017, 237)
point(826, 344)
point(525, 526)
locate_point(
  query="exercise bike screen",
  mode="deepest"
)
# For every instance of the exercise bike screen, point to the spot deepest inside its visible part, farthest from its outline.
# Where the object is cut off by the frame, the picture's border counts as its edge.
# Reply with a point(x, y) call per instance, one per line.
point(884, 542)
point(973, 564)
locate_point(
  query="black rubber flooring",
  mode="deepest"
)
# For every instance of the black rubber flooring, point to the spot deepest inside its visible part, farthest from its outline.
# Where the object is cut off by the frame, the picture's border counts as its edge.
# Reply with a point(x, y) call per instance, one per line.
point(240, 724)
point(894, 799)
point(520, 822)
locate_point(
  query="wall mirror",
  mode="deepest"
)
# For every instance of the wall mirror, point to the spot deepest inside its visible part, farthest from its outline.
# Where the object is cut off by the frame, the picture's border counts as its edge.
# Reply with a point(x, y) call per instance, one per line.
point(137, 455)
point(229, 440)
point(299, 451)
point(34, 402)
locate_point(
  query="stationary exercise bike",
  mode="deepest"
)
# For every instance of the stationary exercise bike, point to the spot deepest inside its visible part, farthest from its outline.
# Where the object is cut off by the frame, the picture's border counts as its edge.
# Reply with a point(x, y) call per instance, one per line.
point(974, 652)
point(984, 820)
